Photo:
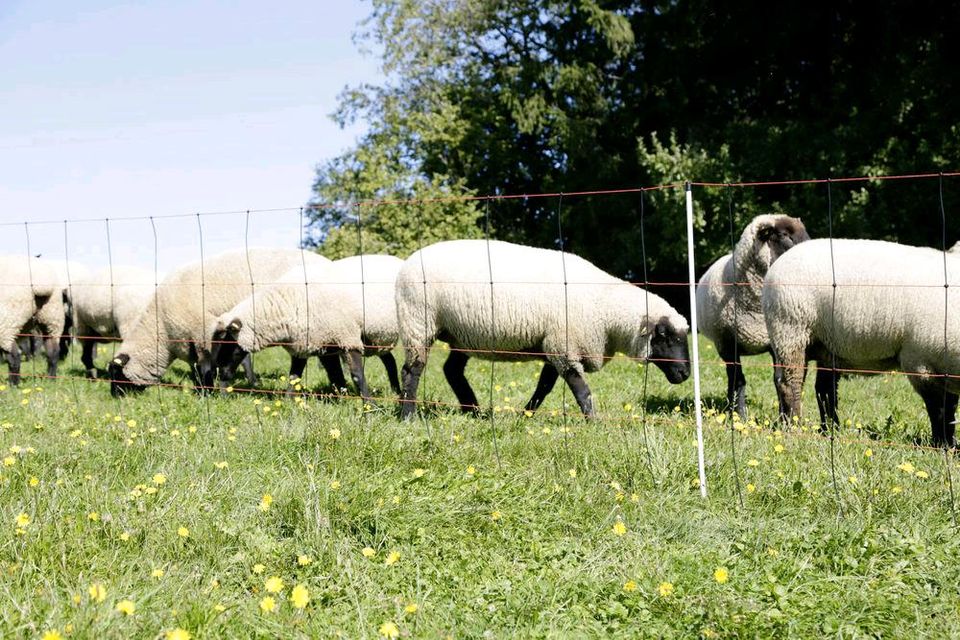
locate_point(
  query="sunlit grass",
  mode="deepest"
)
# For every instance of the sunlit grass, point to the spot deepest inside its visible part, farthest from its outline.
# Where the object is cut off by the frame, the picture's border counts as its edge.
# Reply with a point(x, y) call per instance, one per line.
point(264, 515)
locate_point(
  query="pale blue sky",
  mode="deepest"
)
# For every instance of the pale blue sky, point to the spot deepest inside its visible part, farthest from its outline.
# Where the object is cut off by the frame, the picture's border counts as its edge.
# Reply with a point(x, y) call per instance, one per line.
point(116, 109)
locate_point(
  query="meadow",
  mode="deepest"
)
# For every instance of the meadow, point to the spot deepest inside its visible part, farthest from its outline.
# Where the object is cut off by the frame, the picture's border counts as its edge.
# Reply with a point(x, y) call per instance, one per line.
point(169, 515)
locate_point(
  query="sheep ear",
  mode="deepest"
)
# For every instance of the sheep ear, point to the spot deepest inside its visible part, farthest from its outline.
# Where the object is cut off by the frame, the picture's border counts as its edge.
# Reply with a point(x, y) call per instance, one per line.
point(765, 232)
point(235, 326)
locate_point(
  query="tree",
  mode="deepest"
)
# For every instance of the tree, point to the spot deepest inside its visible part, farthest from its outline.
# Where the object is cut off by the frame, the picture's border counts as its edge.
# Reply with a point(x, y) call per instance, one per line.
point(494, 97)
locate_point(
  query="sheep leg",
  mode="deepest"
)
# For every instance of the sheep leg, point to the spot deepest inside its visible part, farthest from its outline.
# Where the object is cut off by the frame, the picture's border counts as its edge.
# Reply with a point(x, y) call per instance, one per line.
point(578, 385)
point(548, 378)
point(88, 347)
point(252, 379)
point(942, 408)
point(825, 386)
point(355, 363)
point(788, 375)
point(331, 364)
point(13, 360)
point(52, 346)
point(390, 364)
point(453, 369)
point(411, 372)
point(736, 382)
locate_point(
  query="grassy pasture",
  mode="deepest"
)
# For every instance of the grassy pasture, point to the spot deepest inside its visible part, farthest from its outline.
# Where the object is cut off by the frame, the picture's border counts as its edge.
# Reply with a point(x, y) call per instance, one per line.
point(453, 526)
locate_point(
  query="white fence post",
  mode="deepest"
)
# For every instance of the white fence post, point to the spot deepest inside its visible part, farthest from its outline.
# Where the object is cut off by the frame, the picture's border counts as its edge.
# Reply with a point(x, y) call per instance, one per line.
point(696, 346)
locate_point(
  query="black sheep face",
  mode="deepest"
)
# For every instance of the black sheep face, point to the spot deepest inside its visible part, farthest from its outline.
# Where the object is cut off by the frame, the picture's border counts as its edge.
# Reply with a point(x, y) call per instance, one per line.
point(120, 384)
point(668, 350)
point(782, 235)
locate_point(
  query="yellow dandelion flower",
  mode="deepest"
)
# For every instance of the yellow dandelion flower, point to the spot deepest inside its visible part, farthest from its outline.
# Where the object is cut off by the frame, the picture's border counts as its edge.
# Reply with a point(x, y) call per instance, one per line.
point(274, 584)
point(572, 473)
point(22, 520)
point(751, 488)
point(219, 608)
point(335, 484)
point(721, 575)
point(223, 464)
point(124, 536)
point(868, 452)
point(392, 558)
point(178, 634)
point(629, 586)
point(665, 589)
point(906, 467)
point(300, 596)
point(159, 478)
point(183, 532)
point(304, 560)
point(896, 489)
point(922, 474)
point(126, 607)
point(258, 568)
point(368, 552)
point(268, 604)
point(334, 434)
point(157, 573)
point(411, 607)
point(753, 462)
point(496, 515)
point(93, 516)
point(34, 481)
point(52, 634)
point(389, 630)
point(97, 592)
point(265, 502)
point(778, 448)
point(619, 529)
point(419, 473)
point(9, 461)
point(471, 470)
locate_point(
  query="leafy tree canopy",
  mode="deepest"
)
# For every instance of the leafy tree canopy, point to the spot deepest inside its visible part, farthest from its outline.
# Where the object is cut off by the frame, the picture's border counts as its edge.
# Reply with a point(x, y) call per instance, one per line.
point(522, 97)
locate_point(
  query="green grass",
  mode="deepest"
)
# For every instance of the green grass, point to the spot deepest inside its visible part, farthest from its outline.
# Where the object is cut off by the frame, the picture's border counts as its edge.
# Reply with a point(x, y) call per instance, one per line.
point(880, 562)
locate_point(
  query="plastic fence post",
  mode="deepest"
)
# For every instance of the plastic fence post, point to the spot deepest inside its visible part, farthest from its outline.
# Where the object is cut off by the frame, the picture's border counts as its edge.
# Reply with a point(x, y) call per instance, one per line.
point(696, 348)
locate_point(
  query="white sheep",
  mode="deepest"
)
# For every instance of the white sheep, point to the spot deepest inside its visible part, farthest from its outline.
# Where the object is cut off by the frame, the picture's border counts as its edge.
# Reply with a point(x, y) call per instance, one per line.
point(348, 307)
point(889, 310)
point(543, 304)
point(106, 304)
point(180, 321)
point(30, 297)
point(728, 296)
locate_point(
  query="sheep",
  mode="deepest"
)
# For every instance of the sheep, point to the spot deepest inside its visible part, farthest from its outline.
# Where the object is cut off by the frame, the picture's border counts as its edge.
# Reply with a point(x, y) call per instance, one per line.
point(728, 296)
point(503, 301)
point(30, 296)
point(346, 307)
point(106, 304)
point(889, 309)
point(180, 321)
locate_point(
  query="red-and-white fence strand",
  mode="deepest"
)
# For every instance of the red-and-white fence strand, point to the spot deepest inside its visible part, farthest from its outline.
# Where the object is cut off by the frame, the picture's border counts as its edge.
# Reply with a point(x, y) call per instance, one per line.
point(386, 401)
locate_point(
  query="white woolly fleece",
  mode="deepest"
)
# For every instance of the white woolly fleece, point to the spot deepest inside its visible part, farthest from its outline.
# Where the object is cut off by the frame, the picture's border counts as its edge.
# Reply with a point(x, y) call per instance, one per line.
point(347, 303)
point(725, 310)
point(543, 301)
point(22, 282)
point(189, 301)
point(109, 302)
point(889, 311)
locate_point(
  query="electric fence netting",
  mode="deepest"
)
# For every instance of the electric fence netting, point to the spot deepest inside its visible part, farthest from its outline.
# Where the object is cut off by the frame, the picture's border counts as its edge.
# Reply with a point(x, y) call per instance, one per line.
point(198, 297)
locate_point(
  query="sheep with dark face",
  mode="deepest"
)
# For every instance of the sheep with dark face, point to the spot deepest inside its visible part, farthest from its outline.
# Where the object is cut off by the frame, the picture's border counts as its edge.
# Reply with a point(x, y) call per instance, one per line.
point(180, 321)
point(345, 307)
point(31, 298)
point(890, 309)
point(728, 296)
point(502, 301)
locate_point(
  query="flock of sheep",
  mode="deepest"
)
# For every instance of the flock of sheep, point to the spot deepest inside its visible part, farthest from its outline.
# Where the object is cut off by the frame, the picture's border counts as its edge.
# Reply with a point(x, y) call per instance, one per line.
point(847, 304)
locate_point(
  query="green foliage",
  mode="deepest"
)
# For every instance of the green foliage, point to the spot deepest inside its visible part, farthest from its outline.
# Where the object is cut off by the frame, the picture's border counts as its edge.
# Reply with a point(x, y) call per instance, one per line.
point(494, 97)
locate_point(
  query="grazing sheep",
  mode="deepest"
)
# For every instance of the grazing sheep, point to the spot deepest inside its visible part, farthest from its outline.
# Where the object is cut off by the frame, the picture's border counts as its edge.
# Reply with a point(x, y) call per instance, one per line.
point(444, 291)
point(889, 310)
point(180, 321)
point(106, 304)
point(728, 296)
point(30, 296)
point(348, 306)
